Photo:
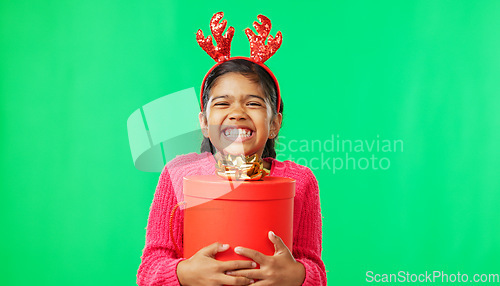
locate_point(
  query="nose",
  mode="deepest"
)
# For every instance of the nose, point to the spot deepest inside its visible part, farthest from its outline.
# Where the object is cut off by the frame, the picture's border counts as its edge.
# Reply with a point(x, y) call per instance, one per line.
point(237, 113)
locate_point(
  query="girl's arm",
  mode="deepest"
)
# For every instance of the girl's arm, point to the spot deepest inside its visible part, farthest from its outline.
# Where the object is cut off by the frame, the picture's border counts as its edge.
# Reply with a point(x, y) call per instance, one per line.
point(307, 246)
point(160, 262)
point(159, 258)
point(304, 266)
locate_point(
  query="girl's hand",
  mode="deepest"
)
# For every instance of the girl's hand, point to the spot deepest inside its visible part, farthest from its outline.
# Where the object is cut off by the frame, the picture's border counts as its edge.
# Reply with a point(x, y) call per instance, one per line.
point(203, 269)
point(279, 269)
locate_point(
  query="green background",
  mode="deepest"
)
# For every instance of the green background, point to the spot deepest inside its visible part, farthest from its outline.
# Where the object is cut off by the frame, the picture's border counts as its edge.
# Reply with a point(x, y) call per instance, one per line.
point(74, 209)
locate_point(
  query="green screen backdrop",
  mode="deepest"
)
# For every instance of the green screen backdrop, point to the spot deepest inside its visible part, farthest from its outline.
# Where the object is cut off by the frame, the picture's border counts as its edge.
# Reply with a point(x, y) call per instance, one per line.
point(394, 105)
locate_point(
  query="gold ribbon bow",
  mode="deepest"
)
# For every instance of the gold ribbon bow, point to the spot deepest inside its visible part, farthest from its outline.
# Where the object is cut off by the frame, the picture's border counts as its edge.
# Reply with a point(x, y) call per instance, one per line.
point(240, 167)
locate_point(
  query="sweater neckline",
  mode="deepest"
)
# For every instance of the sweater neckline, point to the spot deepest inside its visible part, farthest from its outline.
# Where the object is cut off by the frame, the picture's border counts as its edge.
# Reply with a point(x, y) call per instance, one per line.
point(273, 165)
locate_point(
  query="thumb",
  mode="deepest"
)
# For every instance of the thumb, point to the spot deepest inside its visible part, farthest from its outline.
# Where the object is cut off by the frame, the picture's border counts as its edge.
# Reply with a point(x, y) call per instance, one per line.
point(279, 245)
point(213, 249)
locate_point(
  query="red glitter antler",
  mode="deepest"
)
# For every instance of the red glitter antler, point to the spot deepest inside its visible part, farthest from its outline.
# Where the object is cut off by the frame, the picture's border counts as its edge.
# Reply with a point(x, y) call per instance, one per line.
point(259, 50)
point(223, 50)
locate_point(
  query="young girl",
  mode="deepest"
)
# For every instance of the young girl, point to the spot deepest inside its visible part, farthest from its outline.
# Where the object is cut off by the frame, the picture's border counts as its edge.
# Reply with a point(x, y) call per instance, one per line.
point(241, 114)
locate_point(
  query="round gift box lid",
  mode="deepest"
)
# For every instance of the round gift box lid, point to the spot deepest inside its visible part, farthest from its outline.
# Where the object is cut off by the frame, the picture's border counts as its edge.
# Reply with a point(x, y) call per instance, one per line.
point(215, 187)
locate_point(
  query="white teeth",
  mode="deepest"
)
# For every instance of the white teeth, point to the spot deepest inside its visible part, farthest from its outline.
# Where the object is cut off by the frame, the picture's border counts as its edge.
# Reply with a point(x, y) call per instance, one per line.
point(233, 132)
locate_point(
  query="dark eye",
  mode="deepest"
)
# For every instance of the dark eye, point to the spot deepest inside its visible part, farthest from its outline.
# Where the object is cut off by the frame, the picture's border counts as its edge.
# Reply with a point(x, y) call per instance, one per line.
point(254, 104)
point(221, 103)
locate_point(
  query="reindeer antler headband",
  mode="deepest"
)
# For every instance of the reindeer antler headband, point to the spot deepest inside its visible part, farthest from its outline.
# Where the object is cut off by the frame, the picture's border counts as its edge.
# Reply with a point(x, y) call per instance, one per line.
point(259, 50)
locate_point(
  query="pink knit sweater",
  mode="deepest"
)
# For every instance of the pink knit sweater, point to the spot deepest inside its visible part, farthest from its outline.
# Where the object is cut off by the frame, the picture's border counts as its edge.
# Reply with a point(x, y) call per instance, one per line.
point(159, 258)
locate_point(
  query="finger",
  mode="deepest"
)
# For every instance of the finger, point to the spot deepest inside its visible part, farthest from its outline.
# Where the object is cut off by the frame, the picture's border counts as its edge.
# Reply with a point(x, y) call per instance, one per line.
point(250, 253)
point(237, 264)
point(235, 280)
point(249, 273)
point(213, 249)
point(279, 245)
point(261, 283)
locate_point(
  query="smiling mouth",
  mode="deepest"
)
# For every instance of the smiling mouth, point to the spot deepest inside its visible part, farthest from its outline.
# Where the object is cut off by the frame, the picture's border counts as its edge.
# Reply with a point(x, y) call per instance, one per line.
point(238, 134)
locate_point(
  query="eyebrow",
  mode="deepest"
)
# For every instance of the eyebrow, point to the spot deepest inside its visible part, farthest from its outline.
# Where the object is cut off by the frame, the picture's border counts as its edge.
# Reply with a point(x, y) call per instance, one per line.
point(259, 97)
point(248, 95)
point(220, 96)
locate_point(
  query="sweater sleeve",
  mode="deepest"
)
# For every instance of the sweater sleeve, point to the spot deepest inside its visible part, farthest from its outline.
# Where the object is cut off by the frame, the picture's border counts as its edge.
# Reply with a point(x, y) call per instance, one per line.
point(159, 259)
point(307, 247)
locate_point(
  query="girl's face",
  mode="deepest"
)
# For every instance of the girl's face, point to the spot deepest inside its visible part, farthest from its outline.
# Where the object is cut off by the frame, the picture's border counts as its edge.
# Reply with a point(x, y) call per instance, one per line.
point(238, 116)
